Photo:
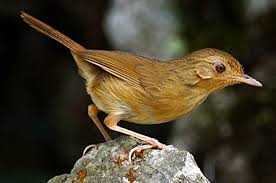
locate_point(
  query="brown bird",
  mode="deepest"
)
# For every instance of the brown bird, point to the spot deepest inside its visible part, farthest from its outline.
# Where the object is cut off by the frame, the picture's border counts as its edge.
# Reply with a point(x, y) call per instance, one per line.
point(143, 90)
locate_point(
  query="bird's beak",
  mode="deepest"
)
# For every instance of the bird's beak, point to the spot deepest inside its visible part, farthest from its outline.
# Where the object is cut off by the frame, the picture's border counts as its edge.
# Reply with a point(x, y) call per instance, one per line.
point(248, 80)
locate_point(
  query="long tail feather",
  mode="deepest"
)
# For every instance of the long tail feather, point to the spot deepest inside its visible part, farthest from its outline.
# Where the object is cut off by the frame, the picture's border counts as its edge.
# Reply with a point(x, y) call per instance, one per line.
point(51, 32)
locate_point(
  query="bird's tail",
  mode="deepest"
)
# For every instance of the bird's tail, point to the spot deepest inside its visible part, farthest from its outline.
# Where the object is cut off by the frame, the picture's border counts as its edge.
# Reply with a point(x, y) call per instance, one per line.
point(51, 32)
point(86, 69)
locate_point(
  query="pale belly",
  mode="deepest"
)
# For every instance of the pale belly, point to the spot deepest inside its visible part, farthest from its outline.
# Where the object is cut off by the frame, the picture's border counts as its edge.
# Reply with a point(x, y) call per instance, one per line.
point(113, 95)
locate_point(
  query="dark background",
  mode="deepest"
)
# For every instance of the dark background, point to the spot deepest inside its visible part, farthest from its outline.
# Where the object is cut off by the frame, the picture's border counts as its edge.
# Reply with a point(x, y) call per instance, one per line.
point(44, 125)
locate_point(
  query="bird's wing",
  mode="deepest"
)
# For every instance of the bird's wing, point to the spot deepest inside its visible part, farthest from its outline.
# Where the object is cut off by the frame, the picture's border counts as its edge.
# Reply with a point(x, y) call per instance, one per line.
point(136, 70)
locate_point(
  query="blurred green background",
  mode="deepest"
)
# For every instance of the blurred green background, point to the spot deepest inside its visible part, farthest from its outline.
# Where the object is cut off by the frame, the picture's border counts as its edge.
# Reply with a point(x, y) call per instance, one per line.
point(44, 124)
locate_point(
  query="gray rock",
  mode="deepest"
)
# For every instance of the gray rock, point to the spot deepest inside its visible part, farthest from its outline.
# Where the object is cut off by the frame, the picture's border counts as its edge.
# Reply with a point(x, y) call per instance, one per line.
point(108, 162)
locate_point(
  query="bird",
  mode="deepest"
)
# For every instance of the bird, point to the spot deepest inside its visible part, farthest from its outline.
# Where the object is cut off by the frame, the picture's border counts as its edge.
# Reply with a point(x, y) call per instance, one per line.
point(144, 90)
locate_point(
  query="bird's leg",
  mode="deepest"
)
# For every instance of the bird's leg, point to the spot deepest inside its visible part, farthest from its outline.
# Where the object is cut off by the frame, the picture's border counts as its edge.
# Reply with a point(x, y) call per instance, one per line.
point(93, 112)
point(111, 122)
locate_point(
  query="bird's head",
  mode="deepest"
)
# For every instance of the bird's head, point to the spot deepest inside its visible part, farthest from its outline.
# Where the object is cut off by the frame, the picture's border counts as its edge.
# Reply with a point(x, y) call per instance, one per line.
point(214, 69)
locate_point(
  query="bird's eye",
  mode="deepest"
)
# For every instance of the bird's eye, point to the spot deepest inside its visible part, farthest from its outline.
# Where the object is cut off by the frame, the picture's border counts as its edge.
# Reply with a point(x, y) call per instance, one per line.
point(220, 67)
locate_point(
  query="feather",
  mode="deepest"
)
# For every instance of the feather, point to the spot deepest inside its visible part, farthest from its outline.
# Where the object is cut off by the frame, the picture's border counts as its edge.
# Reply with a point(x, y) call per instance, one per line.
point(136, 70)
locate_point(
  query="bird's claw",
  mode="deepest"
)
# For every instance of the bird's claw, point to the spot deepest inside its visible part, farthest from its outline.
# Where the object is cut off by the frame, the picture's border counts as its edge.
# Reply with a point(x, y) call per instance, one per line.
point(152, 143)
point(138, 150)
point(87, 148)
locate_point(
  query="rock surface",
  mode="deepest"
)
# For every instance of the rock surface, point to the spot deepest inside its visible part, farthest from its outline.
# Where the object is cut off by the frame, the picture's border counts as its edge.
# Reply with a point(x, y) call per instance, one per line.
point(108, 162)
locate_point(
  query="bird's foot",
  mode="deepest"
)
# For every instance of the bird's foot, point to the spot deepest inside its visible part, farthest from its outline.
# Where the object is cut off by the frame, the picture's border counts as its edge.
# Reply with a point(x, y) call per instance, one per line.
point(155, 143)
point(152, 143)
point(88, 148)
